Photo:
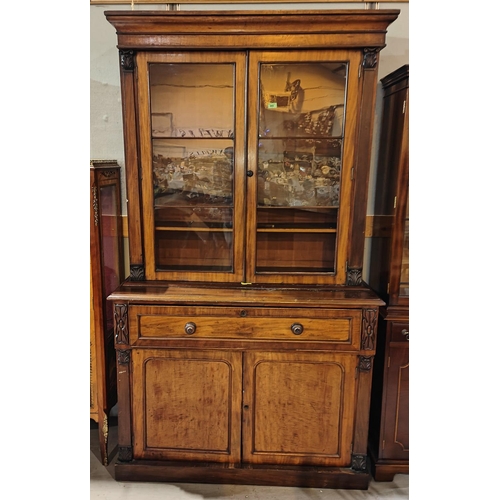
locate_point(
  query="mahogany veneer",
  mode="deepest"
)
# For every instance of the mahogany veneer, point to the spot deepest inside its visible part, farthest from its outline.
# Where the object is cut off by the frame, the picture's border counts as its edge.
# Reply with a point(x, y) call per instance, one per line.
point(245, 336)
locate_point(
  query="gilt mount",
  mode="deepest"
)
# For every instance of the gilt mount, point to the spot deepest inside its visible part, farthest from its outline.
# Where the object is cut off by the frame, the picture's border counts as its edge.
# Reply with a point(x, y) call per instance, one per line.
point(95, 205)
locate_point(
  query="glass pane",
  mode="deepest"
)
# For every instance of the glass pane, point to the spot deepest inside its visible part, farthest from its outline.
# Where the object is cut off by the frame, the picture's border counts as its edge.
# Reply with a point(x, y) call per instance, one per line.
point(301, 132)
point(305, 99)
point(195, 250)
point(404, 288)
point(192, 100)
point(299, 218)
point(197, 171)
point(299, 172)
point(297, 251)
point(110, 246)
point(192, 126)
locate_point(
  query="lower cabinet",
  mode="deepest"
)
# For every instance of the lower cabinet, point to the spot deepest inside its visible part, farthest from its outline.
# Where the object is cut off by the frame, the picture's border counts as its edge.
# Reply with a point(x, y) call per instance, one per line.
point(243, 394)
point(254, 407)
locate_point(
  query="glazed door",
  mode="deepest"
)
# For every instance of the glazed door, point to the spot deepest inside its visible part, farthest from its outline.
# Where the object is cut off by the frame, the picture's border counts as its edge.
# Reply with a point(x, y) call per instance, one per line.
point(400, 263)
point(111, 248)
point(186, 405)
point(302, 128)
point(298, 408)
point(192, 123)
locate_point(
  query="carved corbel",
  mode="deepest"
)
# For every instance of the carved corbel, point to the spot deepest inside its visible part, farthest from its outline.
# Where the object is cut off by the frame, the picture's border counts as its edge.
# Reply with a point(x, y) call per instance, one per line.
point(365, 363)
point(359, 462)
point(354, 276)
point(136, 272)
point(127, 60)
point(370, 58)
point(124, 357)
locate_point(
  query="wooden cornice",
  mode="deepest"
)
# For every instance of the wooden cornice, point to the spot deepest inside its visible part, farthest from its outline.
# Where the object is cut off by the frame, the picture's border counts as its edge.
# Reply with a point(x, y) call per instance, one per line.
point(152, 30)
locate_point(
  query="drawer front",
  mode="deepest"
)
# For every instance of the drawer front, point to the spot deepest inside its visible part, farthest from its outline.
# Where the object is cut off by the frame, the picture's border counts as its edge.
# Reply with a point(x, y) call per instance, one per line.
point(399, 331)
point(161, 322)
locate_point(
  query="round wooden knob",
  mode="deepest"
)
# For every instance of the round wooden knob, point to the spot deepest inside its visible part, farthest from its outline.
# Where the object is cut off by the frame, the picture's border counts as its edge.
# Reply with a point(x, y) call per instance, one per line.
point(297, 328)
point(190, 328)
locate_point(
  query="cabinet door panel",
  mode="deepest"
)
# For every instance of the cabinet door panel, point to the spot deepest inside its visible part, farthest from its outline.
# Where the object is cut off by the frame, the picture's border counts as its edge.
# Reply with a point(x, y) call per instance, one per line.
point(395, 433)
point(298, 408)
point(187, 405)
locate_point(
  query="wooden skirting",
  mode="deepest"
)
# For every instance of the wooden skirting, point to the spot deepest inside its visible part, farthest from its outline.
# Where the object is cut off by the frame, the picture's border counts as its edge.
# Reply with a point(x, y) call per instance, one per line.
point(377, 226)
point(302, 477)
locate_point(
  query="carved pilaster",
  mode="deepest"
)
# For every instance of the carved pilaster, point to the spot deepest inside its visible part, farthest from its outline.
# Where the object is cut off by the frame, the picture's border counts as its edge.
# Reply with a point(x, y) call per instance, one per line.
point(121, 324)
point(125, 453)
point(127, 60)
point(369, 329)
point(136, 273)
point(359, 462)
point(365, 363)
point(354, 276)
point(370, 58)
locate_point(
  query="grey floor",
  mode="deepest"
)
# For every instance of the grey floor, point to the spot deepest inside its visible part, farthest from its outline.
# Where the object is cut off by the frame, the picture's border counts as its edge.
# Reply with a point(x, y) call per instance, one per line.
point(104, 487)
